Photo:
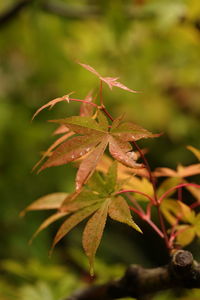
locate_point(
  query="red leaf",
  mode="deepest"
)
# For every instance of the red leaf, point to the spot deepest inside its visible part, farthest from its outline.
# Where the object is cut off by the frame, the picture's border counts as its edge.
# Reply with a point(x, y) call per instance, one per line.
point(129, 131)
point(52, 147)
point(110, 81)
point(71, 150)
point(87, 109)
point(61, 129)
point(117, 150)
point(51, 103)
point(88, 165)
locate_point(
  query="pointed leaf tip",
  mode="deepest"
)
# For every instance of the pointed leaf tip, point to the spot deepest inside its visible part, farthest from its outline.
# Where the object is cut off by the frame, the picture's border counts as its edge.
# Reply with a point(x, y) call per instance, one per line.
point(110, 81)
point(51, 103)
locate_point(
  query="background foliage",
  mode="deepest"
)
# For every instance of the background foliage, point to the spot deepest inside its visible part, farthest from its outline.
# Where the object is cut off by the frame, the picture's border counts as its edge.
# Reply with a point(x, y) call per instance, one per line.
point(154, 46)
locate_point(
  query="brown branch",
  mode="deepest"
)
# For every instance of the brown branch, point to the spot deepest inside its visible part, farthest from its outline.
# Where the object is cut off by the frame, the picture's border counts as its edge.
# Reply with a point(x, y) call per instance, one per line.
point(64, 10)
point(138, 282)
point(13, 11)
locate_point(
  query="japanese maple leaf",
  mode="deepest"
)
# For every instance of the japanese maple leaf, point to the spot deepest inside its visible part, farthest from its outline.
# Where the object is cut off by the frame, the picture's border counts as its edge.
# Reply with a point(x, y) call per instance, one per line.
point(110, 81)
point(96, 200)
point(94, 135)
point(99, 200)
point(181, 173)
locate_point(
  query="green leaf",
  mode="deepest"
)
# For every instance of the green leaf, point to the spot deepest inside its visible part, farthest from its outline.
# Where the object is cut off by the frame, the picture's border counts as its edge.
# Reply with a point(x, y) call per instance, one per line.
point(171, 210)
point(141, 184)
point(97, 183)
point(119, 211)
point(88, 165)
point(195, 151)
point(187, 214)
point(72, 221)
point(129, 131)
point(102, 120)
point(93, 233)
point(81, 125)
point(79, 200)
point(186, 235)
point(167, 184)
point(71, 150)
point(111, 178)
point(51, 201)
point(48, 222)
point(118, 149)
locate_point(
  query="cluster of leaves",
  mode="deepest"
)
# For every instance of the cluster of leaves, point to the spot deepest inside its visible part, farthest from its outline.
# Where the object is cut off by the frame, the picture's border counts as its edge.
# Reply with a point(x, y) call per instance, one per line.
point(104, 190)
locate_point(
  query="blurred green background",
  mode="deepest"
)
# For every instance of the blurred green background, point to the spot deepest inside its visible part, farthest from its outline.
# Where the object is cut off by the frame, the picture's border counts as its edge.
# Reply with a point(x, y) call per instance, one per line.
point(154, 47)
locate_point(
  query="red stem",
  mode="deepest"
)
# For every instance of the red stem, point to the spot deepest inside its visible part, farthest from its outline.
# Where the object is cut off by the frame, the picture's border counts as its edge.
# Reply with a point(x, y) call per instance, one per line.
point(100, 93)
point(135, 191)
point(155, 199)
point(84, 101)
point(146, 219)
point(177, 187)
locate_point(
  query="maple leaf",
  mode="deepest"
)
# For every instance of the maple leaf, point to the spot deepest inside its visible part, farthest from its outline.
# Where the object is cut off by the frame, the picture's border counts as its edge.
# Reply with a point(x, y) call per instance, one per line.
point(94, 137)
point(51, 201)
point(51, 103)
point(181, 173)
point(185, 233)
point(81, 204)
point(110, 81)
point(195, 151)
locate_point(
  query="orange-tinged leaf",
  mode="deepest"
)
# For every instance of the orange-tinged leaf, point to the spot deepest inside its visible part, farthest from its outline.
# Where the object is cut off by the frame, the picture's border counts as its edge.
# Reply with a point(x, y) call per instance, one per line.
point(61, 129)
point(87, 109)
point(195, 151)
point(129, 131)
point(110, 81)
point(124, 173)
point(51, 201)
point(119, 211)
point(88, 165)
point(93, 233)
point(181, 171)
point(51, 103)
point(71, 150)
point(186, 235)
point(52, 147)
point(72, 221)
point(116, 148)
point(53, 218)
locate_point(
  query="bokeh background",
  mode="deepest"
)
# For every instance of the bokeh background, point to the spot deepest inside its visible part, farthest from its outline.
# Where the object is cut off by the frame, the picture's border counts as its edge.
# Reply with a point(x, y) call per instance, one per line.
point(154, 47)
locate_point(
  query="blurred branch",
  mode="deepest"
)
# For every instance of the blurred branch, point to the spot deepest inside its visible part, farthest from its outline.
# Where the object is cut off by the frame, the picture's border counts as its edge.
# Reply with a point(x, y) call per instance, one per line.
point(137, 282)
point(62, 9)
point(13, 11)
point(82, 12)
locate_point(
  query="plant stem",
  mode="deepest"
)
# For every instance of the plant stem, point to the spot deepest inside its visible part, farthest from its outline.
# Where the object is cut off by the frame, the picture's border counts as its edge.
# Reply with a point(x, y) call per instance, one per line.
point(177, 187)
point(84, 101)
point(135, 191)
